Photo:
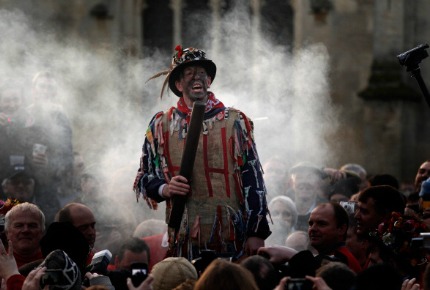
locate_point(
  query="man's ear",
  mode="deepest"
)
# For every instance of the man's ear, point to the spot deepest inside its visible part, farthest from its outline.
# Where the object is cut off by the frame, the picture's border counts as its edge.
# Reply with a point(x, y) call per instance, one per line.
point(209, 81)
point(342, 230)
point(178, 86)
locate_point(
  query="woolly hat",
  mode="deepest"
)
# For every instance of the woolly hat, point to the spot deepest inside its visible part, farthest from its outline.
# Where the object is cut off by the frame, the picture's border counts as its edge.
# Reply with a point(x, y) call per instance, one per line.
point(171, 272)
point(180, 60)
point(61, 272)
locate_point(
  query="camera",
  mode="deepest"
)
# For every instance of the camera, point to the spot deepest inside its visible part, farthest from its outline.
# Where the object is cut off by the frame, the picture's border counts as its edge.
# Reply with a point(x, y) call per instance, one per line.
point(423, 241)
point(298, 284)
point(139, 272)
point(100, 262)
point(349, 207)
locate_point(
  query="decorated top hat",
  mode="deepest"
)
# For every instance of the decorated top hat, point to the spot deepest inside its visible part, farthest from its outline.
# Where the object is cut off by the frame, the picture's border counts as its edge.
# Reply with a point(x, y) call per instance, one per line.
point(182, 59)
point(187, 57)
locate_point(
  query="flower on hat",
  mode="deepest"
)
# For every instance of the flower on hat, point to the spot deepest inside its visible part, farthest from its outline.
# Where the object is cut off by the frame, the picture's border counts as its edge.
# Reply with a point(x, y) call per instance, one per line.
point(179, 50)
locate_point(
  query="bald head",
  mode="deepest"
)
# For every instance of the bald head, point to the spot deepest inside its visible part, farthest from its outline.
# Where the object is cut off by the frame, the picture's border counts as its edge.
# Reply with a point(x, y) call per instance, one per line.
point(81, 217)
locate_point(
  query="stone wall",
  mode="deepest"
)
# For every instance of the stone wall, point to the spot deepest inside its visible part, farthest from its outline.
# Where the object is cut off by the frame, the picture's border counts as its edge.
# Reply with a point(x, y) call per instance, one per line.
point(383, 117)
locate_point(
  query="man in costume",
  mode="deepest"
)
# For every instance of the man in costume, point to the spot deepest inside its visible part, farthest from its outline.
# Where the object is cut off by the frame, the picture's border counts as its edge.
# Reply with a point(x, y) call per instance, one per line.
point(225, 208)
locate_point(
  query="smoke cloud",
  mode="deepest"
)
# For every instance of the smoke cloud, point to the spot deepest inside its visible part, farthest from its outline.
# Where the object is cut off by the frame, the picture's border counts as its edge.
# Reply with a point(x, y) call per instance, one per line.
point(105, 94)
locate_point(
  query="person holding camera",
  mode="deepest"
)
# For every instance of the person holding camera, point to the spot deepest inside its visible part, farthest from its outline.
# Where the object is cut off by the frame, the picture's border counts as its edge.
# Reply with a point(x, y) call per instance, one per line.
point(224, 199)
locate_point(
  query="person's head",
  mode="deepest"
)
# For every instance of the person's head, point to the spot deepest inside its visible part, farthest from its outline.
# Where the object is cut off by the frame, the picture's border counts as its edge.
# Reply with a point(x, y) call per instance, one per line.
point(171, 272)
point(384, 179)
point(423, 173)
point(376, 203)
point(328, 224)
point(265, 274)
point(343, 189)
point(150, 227)
point(193, 83)
point(44, 87)
point(377, 277)
point(221, 274)
point(24, 226)
point(81, 217)
point(284, 213)
point(11, 97)
point(133, 250)
point(337, 275)
point(191, 74)
point(20, 186)
point(298, 240)
point(308, 183)
point(359, 171)
point(275, 176)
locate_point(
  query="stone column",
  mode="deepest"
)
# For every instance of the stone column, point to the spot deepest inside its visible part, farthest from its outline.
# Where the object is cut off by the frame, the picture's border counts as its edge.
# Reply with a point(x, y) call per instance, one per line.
point(387, 98)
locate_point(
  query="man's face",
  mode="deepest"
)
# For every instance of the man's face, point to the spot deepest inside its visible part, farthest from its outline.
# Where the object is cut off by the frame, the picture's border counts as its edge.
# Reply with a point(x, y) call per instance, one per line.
point(281, 215)
point(130, 258)
point(25, 232)
point(306, 187)
point(366, 216)
point(10, 101)
point(83, 219)
point(323, 230)
point(194, 83)
point(422, 175)
point(21, 188)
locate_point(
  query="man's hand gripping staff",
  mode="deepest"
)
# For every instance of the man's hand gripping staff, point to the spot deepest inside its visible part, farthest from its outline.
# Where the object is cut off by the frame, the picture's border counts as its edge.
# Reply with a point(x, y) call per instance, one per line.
point(187, 162)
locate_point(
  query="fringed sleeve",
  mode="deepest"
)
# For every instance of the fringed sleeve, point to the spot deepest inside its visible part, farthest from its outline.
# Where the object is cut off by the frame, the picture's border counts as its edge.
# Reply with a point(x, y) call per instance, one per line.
point(253, 188)
point(150, 176)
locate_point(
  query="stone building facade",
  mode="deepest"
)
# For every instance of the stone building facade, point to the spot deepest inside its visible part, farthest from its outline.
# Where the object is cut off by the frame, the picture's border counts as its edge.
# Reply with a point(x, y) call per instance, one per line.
point(383, 117)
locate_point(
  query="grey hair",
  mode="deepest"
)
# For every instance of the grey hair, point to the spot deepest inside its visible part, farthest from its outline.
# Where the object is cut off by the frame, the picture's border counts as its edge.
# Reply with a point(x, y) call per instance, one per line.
point(24, 207)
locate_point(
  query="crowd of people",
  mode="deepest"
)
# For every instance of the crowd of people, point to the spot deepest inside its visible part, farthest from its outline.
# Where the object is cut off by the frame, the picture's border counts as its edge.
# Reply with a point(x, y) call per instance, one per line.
point(232, 221)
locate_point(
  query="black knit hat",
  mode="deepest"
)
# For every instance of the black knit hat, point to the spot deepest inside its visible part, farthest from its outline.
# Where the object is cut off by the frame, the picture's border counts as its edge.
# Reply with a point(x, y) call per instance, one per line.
point(61, 273)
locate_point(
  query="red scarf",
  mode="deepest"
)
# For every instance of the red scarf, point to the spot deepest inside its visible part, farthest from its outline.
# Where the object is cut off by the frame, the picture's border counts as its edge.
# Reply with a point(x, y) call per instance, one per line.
point(211, 104)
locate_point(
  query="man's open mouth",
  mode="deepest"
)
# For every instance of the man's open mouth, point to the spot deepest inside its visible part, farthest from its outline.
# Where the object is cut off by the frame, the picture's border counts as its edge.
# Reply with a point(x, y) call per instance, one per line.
point(197, 87)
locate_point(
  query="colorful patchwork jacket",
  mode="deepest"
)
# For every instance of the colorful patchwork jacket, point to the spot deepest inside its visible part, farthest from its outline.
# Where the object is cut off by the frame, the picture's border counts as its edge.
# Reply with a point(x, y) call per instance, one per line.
point(227, 202)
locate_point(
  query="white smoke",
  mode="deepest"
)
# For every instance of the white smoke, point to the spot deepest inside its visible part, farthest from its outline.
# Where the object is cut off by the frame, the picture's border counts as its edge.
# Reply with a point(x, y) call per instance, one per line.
point(105, 93)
